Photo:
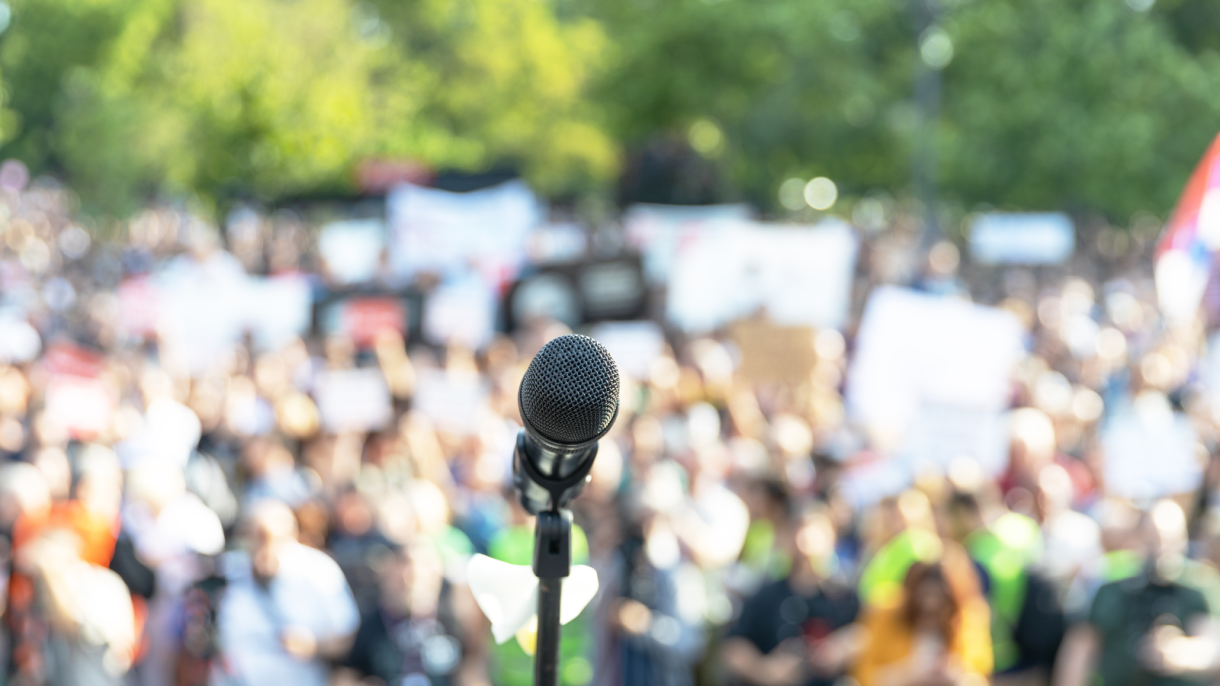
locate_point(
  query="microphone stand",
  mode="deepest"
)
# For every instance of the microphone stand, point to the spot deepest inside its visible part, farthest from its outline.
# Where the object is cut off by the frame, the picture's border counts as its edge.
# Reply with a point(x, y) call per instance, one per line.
point(552, 561)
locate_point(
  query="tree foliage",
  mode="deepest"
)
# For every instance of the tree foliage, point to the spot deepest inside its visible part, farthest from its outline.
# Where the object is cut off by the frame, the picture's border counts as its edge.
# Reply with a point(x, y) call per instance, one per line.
point(225, 98)
point(1046, 104)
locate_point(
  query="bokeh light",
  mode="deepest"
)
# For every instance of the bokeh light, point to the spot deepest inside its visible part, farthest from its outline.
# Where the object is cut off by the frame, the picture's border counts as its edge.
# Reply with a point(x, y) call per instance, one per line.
point(821, 193)
point(936, 48)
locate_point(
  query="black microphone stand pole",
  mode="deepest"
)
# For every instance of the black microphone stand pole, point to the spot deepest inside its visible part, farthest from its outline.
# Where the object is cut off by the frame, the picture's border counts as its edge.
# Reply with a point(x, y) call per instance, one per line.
point(552, 540)
point(552, 564)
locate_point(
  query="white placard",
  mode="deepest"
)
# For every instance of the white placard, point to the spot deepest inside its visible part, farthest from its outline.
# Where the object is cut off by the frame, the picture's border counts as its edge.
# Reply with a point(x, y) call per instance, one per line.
point(801, 276)
point(353, 400)
point(633, 345)
point(280, 309)
point(82, 406)
point(940, 434)
point(1149, 451)
point(203, 309)
point(659, 231)
point(453, 402)
point(352, 249)
point(462, 312)
point(19, 341)
point(438, 231)
point(926, 363)
point(1022, 238)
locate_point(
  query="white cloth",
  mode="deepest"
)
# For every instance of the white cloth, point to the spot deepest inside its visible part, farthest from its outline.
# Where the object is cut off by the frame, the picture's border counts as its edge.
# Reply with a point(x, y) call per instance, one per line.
point(309, 591)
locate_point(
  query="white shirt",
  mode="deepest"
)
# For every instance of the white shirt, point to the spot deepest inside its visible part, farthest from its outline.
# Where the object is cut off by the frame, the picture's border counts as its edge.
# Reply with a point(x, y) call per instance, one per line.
point(309, 590)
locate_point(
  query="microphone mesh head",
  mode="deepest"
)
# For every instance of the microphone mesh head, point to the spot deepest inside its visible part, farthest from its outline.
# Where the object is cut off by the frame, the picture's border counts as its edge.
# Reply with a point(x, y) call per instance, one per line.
point(570, 392)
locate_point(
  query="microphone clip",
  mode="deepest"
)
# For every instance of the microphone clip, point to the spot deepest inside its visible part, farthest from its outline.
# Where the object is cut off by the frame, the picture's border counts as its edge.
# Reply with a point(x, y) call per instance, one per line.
point(540, 492)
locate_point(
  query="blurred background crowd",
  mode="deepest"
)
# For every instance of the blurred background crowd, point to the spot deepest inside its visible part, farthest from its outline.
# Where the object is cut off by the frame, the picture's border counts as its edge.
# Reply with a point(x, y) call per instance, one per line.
point(920, 374)
point(264, 452)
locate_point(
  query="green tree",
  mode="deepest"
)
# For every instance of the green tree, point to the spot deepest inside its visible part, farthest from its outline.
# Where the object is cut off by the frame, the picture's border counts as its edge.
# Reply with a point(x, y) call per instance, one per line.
point(225, 98)
point(1081, 104)
point(1046, 104)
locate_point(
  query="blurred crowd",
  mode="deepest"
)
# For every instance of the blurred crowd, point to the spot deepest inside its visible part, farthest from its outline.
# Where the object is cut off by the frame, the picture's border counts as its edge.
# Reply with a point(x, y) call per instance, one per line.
point(169, 524)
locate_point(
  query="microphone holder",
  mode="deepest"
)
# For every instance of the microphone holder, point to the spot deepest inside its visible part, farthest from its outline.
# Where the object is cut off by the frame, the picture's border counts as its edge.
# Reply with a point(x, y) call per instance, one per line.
point(552, 561)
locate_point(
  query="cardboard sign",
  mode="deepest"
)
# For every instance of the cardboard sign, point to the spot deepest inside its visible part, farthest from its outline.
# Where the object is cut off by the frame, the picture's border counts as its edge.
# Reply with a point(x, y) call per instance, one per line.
point(770, 352)
point(353, 400)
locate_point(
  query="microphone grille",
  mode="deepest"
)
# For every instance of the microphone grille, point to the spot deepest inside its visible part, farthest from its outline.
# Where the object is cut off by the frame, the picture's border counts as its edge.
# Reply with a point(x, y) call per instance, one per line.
point(570, 392)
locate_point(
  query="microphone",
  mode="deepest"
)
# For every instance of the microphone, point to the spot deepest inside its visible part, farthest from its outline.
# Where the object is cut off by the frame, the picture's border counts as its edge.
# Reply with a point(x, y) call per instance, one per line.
point(568, 400)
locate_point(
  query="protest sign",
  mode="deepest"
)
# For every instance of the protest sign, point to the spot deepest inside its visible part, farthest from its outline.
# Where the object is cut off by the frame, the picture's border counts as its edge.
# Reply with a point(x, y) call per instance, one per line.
point(76, 398)
point(463, 312)
point(1149, 451)
point(447, 233)
point(659, 231)
point(280, 309)
point(352, 249)
point(362, 314)
point(801, 276)
point(83, 406)
point(633, 345)
point(452, 401)
point(352, 400)
point(197, 321)
point(931, 377)
point(557, 243)
point(1022, 238)
point(770, 352)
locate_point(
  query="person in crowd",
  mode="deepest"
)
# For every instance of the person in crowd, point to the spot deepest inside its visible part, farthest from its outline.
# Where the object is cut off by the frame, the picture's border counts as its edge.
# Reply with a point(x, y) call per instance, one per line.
point(1026, 619)
point(286, 609)
point(1072, 539)
point(799, 629)
point(905, 531)
point(658, 616)
point(92, 635)
point(415, 633)
point(172, 530)
point(935, 633)
point(763, 557)
point(1147, 628)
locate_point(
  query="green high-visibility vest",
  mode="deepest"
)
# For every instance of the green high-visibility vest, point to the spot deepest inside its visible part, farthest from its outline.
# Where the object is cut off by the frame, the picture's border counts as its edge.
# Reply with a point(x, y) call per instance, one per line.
point(1005, 551)
point(510, 664)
